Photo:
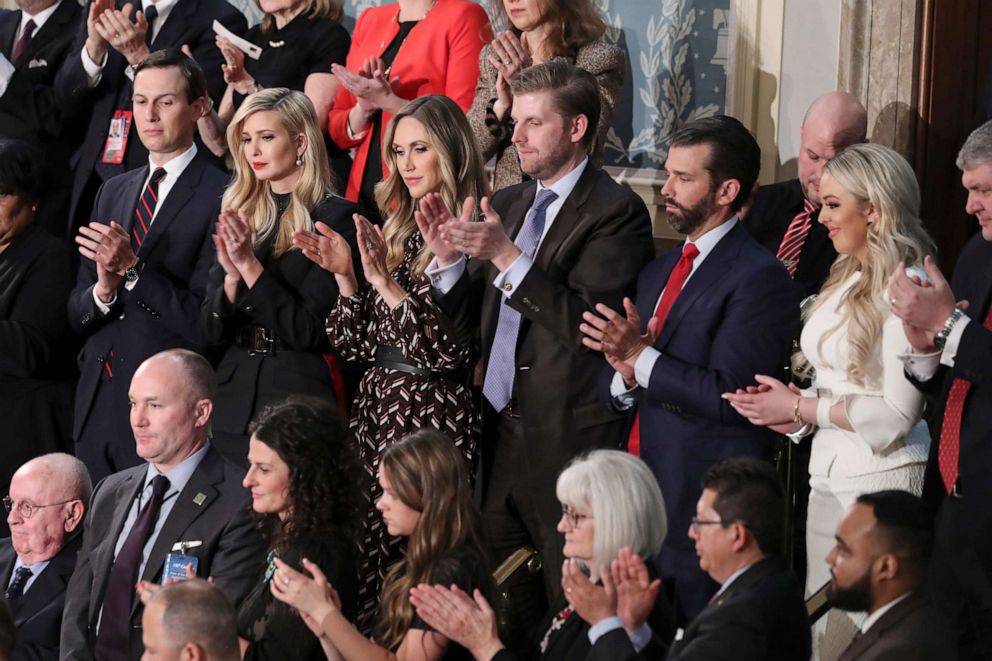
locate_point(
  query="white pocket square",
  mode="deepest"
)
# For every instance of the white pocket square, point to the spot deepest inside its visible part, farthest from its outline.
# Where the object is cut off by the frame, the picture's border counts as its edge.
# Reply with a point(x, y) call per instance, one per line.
point(34, 64)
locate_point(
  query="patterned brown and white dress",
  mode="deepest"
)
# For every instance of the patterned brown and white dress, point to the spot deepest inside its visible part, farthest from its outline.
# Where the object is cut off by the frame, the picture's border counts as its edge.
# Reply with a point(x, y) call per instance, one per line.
point(391, 403)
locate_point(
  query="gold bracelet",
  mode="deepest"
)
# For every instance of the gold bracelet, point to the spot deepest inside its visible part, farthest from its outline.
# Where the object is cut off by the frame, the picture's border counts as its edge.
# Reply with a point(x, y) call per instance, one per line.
point(797, 417)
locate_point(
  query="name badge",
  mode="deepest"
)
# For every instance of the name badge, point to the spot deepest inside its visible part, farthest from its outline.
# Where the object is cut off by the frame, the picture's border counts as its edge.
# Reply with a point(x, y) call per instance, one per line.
point(120, 127)
point(179, 567)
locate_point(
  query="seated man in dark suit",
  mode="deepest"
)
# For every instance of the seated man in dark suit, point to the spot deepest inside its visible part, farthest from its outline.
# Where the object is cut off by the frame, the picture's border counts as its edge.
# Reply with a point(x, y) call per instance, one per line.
point(185, 500)
point(190, 620)
point(146, 257)
point(709, 315)
point(759, 612)
point(783, 216)
point(48, 498)
point(879, 566)
point(34, 42)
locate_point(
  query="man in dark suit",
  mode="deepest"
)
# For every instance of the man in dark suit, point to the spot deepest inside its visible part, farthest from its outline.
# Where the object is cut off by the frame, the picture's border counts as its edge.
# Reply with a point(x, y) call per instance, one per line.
point(146, 259)
point(758, 612)
point(950, 361)
point(48, 499)
point(879, 566)
point(34, 42)
point(548, 250)
point(185, 500)
point(708, 318)
point(783, 216)
point(94, 85)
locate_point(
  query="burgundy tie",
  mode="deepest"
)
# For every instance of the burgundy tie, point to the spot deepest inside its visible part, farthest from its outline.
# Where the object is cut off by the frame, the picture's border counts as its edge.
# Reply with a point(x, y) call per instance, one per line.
point(795, 237)
point(673, 287)
point(23, 42)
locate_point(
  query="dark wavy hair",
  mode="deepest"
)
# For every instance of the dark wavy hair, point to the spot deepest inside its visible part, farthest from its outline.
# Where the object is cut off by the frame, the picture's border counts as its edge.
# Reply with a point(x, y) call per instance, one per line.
point(577, 23)
point(325, 497)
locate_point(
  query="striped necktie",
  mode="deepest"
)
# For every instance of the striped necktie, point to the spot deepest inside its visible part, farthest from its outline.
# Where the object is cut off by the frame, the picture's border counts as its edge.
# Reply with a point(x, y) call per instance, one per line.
point(795, 238)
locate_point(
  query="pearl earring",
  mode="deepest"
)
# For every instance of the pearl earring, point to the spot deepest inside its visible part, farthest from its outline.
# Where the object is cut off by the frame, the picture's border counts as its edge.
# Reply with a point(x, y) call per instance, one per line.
point(299, 160)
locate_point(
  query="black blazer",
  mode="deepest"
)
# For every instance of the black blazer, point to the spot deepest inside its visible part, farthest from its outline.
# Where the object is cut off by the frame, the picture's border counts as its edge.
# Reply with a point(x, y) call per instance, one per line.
point(592, 253)
point(909, 631)
point(162, 310)
point(190, 22)
point(773, 208)
point(761, 616)
point(38, 617)
point(213, 508)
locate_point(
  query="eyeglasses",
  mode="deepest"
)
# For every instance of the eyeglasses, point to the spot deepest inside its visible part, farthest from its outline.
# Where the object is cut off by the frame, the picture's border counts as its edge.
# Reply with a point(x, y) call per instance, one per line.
point(27, 510)
point(698, 523)
point(572, 517)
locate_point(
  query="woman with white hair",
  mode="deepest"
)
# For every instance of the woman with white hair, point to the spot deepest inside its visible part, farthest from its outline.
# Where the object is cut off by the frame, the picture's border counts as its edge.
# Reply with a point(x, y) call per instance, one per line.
point(610, 501)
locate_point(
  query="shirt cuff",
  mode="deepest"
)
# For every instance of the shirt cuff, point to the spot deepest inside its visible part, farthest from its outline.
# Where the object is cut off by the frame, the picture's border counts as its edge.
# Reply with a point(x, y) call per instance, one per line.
point(104, 308)
point(508, 281)
point(603, 627)
point(6, 73)
point(641, 637)
point(950, 352)
point(645, 365)
point(623, 397)
point(920, 366)
point(444, 278)
point(93, 70)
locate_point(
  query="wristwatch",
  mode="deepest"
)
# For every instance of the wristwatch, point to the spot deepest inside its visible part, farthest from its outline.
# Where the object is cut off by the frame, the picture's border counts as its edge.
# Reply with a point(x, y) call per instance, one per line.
point(940, 337)
point(132, 272)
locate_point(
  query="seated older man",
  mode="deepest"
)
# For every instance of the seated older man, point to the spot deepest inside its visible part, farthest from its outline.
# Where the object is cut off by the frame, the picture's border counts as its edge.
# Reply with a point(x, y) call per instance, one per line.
point(48, 498)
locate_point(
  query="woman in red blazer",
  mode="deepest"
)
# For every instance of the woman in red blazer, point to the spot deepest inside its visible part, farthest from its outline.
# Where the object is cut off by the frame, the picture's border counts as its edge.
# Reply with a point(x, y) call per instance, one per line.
point(399, 52)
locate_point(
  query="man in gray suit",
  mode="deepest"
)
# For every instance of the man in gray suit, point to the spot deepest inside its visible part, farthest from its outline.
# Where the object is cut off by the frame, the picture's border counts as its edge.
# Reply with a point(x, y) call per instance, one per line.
point(879, 565)
point(186, 499)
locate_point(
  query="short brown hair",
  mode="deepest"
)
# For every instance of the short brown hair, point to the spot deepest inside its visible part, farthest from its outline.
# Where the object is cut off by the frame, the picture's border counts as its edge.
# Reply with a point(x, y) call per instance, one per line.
point(574, 92)
point(196, 82)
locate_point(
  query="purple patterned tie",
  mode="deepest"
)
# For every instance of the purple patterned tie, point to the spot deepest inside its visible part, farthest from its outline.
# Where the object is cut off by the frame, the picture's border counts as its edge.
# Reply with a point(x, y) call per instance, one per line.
point(501, 367)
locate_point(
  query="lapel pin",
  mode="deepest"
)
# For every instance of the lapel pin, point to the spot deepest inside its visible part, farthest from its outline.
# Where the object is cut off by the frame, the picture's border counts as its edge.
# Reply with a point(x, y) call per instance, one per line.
point(199, 498)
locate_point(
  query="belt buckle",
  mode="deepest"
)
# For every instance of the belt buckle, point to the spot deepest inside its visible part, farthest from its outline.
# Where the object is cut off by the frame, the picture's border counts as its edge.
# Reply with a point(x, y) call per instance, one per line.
point(261, 343)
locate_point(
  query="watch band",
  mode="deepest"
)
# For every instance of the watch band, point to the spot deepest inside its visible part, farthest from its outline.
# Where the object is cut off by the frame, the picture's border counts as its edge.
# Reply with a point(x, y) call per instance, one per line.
point(940, 338)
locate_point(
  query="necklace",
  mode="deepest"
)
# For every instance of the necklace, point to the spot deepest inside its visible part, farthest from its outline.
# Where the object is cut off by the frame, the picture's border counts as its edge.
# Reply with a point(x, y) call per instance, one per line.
point(382, 43)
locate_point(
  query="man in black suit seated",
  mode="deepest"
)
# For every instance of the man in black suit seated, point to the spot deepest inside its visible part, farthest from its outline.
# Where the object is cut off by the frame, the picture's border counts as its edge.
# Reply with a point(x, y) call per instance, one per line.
point(190, 620)
point(146, 257)
point(186, 500)
point(48, 498)
point(879, 566)
point(34, 42)
point(950, 360)
point(783, 216)
point(758, 612)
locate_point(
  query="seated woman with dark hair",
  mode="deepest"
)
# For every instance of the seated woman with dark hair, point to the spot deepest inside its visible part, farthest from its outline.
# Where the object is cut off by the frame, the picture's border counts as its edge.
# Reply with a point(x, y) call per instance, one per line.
point(37, 366)
point(304, 492)
point(427, 499)
point(611, 508)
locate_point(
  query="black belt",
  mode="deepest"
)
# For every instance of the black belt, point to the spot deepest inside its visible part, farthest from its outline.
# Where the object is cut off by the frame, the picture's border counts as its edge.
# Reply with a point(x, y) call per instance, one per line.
point(258, 340)
point(392, 358)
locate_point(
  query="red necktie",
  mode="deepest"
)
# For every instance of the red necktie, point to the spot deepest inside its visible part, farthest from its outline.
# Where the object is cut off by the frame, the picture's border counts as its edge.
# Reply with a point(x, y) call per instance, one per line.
point(23, 42)
point(950, 428)
point(145, 211)
point(795, 237)
point(676, 280)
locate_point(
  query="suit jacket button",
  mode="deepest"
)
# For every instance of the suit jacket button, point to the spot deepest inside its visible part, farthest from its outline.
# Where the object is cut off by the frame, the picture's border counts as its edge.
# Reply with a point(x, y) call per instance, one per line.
point(122, 316)
point(537, 308)
point(249, 308)
point(215, 315)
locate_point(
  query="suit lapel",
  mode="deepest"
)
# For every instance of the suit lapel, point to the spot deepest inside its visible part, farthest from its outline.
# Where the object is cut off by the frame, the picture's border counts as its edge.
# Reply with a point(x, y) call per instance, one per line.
point(569, 217)
point(183, 191)
point(126, 493)
point(7, 560)
point(8, 30)
point(51, 582)
point(130, 194)
point(647, 301)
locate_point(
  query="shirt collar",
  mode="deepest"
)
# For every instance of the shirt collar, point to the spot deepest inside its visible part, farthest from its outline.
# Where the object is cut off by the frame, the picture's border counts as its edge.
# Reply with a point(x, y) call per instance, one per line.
point(707, 242)
point(733, 577)
point(564, 186)
point(877, 615)
point(163, 7)
point(175, 166)
point(36, 568)
point(39, 18)
point(180, 473)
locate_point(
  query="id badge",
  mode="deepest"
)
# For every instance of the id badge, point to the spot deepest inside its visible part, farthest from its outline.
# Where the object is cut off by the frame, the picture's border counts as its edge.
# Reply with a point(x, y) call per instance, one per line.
point(176, 565)
point(120, 128)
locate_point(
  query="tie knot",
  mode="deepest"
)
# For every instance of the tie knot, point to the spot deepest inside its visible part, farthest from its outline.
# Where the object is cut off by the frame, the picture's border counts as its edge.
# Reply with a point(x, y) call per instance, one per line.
point(544, 199)
point(160, 484)
point(22, 573)
point(151, 13)
point(690, 251)
point(157, 176)
point(29, 27)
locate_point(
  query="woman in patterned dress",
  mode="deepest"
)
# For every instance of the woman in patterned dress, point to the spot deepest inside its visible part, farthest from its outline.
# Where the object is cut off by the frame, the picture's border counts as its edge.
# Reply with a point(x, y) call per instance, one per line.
point(420, 374)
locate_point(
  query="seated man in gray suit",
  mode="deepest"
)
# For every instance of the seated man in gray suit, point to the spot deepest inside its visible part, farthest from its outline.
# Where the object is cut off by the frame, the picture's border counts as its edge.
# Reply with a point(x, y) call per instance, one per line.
point(879, 565)
point(48, 498)
point(186, 499)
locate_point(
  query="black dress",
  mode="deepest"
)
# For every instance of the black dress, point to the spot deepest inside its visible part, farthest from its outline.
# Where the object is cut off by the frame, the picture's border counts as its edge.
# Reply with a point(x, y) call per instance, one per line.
point(290, 54)
point(37, 366)
point(287, 305)
point(274, 631)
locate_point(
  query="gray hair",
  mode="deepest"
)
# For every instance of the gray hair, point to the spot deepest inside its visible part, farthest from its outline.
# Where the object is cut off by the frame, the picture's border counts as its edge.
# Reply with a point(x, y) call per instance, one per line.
point(196, 611)
point(977, 149)
point(67, 472)
point(625, 500)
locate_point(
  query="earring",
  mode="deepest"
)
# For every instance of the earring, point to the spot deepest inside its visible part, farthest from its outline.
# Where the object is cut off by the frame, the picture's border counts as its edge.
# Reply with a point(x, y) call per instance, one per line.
point(299, 160)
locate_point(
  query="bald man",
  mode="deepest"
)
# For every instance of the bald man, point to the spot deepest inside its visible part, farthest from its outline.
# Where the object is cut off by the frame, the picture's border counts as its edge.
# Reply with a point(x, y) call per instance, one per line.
point(190, 621)
point(783, 216)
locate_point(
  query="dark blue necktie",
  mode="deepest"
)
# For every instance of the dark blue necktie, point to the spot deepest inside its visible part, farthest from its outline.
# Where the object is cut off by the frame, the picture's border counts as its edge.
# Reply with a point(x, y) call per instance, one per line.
point(16, 588)
point(501, 367)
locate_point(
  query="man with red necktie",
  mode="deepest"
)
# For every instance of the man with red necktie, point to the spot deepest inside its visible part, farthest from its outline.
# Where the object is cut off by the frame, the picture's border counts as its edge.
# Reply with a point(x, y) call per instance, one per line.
point(950, 360)
point(783, 216)
point(146, 256)
point(709, 315)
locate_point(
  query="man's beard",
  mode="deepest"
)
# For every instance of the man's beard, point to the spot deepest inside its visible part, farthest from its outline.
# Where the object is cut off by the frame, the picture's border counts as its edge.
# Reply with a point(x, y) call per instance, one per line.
point(856, 598)
point(692, 217)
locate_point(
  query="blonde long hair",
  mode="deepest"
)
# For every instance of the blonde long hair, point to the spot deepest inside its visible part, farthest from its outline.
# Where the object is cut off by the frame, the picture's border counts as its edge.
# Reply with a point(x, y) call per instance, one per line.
point(298, 117)
point(875, 175)
point(460, 162)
